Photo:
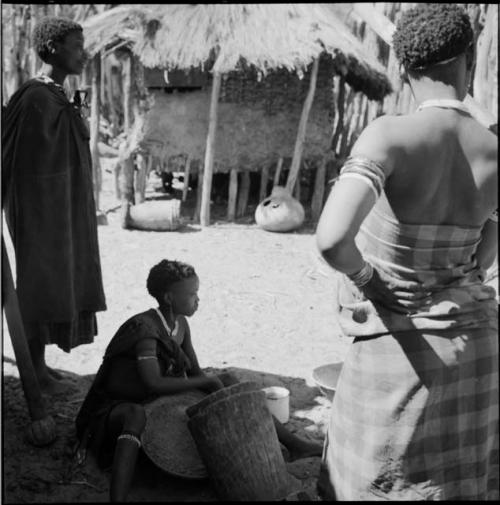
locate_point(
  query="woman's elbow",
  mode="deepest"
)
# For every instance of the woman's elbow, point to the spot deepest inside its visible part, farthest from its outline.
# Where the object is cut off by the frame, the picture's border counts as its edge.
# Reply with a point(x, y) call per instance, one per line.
point(331, 248)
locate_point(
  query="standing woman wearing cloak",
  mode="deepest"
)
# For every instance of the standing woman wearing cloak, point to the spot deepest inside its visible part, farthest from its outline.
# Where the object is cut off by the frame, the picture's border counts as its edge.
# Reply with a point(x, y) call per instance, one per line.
point(410, 226)
point(48, 198)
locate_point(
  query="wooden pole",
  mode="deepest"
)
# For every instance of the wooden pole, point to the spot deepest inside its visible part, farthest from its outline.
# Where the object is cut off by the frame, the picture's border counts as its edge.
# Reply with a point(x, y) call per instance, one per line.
point(319, 190)
point(385, 28)
point(264, 178)
point(43, 429)
point(277, 174)
point(209, 152)
point(301, 134)
point(140, 186)
point(95, 109)
point(187, 170)
point(127, 91)
point(198, 193)
point(233, 193)
point(340, 114)
point(244, 191)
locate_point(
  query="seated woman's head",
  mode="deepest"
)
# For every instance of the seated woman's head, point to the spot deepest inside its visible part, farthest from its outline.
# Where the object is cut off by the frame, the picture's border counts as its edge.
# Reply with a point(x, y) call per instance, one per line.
point(175, 284)
point(430, 39)
point(59, 42)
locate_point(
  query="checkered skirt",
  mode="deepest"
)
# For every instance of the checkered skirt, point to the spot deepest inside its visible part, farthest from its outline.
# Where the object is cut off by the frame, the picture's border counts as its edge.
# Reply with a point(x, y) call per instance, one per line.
point(415, 414)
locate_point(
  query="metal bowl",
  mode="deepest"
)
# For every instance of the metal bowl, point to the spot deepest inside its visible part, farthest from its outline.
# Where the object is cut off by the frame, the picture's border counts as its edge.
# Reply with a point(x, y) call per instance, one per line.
point(326, 378)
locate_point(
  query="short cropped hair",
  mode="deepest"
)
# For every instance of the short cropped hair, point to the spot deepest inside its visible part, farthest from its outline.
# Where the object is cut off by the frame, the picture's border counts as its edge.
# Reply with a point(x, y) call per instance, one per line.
point(166, 273)
point(430, 33)
point(52, 28)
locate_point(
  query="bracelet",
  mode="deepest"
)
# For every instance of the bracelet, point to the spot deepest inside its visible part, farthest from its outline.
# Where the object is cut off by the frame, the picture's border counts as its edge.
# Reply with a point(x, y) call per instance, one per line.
point(363, 276)
point(132, 438)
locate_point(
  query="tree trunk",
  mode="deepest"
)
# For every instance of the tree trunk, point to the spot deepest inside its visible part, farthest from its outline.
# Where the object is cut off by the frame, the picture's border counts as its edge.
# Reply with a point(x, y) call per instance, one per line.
point(95, 109)
point(301, 134)
point(209, 152)
point(233, 193)
point(141, 176)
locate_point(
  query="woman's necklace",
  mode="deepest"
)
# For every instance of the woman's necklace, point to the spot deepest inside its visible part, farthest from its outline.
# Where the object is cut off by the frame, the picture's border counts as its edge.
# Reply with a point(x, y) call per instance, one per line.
point(445, 103)
point(48, 80)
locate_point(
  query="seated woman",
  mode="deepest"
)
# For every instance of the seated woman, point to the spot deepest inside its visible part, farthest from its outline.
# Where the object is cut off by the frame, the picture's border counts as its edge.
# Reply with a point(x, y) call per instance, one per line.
point(151, 355)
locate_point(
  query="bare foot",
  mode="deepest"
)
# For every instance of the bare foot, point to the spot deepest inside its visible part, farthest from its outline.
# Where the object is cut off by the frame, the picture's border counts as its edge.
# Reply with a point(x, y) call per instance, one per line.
point(305, 449)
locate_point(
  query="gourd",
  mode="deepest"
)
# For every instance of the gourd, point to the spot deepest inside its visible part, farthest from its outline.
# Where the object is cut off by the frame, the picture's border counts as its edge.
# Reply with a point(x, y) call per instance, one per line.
point(279, 212)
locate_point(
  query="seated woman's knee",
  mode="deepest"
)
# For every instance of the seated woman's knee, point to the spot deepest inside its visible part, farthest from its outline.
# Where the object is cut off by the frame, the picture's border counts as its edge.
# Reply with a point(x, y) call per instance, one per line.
point(135, 417)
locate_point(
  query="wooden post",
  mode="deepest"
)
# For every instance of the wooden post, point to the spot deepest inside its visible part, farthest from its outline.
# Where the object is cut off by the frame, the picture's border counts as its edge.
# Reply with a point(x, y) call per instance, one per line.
point(187, 170)
point(244, 191)
point(319, 190)
point(127, 91)
point(264, 177)
point(301, 134)
point(43, 428)
point(233, 193)
point(209, 152)
point(197, 209)
point(340, 114)
point(277, 174)
point(140, 186)
point(95, 108)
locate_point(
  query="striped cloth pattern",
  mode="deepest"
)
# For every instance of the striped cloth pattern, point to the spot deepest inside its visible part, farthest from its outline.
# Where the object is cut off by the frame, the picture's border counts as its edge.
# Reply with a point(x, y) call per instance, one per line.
point(415, 414)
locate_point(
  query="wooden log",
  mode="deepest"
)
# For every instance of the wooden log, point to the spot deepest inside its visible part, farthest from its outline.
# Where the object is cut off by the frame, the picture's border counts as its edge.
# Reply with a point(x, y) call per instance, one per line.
point(197, 209)
point(187, 170)
point(95, 108)
point(209, 152)
point(233, 193)
point(243, 194)
point(319, 190)
point(301, 133)
point(264, 178)
point(237, 441)
point(29, 381)
point(277, 173)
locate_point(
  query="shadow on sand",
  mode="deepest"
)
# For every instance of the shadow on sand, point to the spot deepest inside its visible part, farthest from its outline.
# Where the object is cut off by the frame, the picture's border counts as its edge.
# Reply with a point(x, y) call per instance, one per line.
point(50, 474)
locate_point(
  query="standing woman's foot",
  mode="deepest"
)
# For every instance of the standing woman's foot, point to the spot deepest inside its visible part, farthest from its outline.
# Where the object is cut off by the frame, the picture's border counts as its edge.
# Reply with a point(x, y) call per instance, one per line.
point(55, 374)
point(51, 386)
point(305, 449)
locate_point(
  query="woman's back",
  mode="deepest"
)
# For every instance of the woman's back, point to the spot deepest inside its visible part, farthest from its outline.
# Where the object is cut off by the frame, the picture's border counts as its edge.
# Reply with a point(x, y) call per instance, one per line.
point(445, 169)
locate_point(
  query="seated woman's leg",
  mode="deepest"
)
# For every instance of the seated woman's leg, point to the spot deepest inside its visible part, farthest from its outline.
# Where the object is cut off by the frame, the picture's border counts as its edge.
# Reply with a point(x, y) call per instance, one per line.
point(127, 422)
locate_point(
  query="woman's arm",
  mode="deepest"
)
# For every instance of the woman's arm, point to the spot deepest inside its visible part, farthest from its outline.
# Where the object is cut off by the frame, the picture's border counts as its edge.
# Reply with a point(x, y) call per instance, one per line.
point(187, 347)
point(150, 374)
point(350, 201)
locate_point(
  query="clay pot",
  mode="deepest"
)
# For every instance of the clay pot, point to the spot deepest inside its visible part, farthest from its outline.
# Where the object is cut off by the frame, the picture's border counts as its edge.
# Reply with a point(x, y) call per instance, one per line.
point(280, 212)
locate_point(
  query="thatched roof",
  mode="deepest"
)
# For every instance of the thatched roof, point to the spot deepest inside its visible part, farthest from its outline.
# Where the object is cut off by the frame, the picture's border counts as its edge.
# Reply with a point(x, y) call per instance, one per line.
point(223, 37)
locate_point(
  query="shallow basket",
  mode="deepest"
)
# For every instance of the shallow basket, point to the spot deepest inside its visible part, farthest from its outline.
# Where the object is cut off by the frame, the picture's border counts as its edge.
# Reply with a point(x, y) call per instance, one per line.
point(159, 215)
point(326, 378)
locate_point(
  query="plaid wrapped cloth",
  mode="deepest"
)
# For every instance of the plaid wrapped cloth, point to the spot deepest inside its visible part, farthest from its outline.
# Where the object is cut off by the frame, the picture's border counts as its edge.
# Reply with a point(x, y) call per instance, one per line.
point(415, 414)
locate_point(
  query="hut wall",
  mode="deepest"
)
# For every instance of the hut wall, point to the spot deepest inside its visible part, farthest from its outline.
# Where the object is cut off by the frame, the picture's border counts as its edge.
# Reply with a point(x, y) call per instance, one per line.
point(246, 138)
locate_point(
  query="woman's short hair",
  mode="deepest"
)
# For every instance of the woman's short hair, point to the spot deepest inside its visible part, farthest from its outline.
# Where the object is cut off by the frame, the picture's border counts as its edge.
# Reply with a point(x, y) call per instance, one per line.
point(431, 33)
point(52, 28)
point(166, 273)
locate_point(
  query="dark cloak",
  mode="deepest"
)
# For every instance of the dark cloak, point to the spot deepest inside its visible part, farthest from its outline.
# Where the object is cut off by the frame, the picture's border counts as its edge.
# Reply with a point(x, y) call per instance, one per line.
point(50, 210)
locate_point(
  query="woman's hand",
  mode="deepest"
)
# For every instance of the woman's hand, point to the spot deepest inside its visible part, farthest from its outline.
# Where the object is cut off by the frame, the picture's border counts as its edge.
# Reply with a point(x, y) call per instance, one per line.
point(380, 292)
point(213, 384)
point(228, 379)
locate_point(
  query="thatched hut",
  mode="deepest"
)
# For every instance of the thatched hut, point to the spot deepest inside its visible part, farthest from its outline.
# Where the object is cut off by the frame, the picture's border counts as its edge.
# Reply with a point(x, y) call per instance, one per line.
point(262, 57)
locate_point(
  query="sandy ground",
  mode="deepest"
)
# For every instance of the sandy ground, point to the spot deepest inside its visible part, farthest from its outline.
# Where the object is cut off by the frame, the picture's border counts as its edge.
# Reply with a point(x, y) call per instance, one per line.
point(265, 312)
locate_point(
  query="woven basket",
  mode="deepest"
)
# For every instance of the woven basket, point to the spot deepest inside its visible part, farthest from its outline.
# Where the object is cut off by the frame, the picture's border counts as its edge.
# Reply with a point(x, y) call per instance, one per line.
point(156, 215)
point(167, 440)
